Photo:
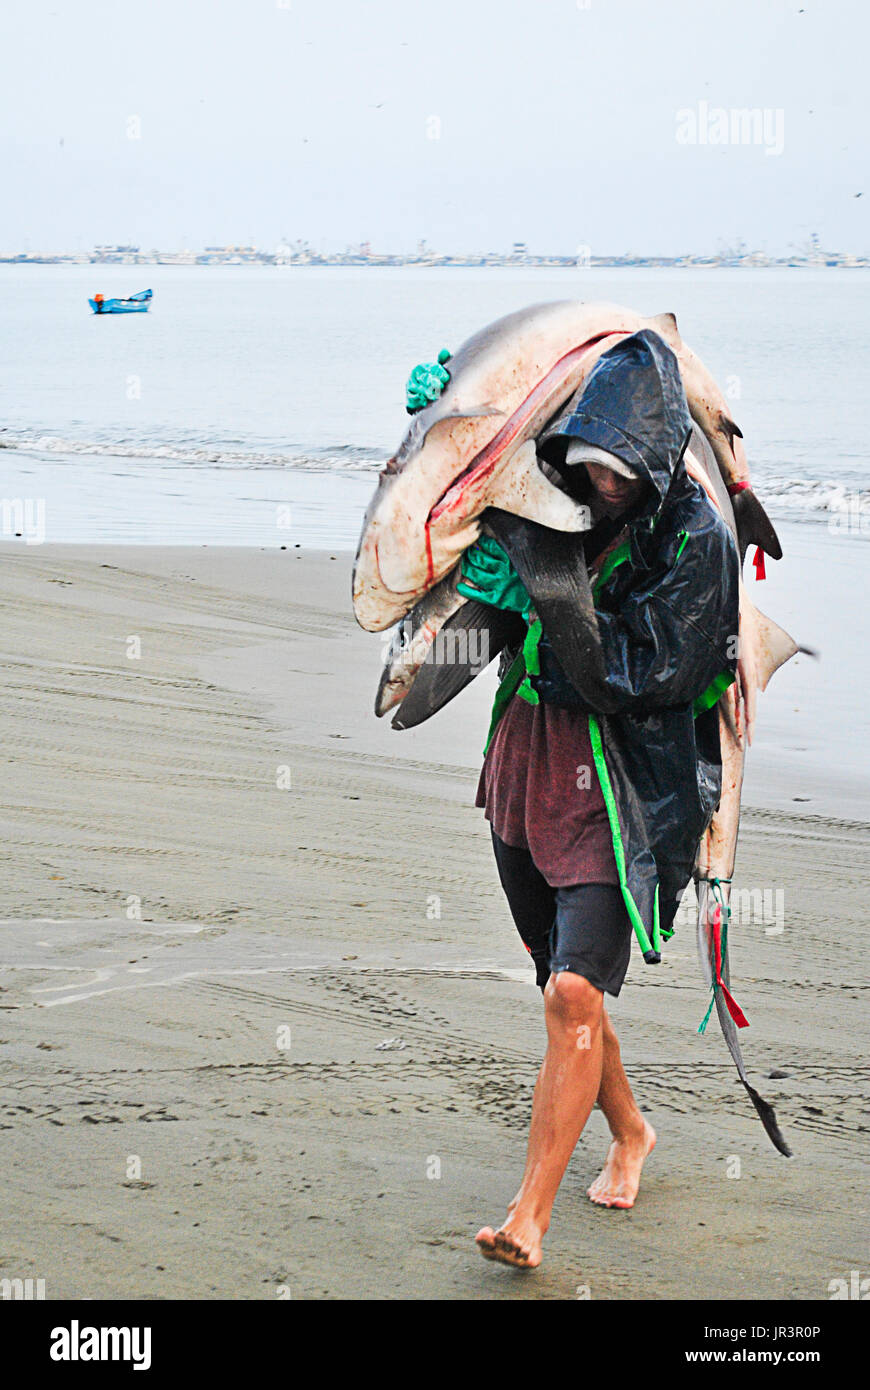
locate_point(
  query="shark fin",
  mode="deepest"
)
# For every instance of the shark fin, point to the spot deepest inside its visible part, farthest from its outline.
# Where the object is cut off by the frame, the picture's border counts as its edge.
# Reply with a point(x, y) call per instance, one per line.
point(666, 325)
point(753, 524)
point(730, 429)
point(467, 642)
point(775, 647)
point(522, 489)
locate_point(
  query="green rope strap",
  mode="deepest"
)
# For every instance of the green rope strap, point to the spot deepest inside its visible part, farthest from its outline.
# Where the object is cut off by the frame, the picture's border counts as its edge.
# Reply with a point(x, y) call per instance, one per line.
point(635, 918)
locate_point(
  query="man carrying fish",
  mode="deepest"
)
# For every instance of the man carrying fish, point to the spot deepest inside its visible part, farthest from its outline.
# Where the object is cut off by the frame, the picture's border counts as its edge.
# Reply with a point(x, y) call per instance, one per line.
point(572, 488)
point(603, 768)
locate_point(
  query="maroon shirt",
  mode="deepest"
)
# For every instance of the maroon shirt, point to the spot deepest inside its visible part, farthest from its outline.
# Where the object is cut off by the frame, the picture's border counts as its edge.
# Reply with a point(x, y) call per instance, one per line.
point(540, 792)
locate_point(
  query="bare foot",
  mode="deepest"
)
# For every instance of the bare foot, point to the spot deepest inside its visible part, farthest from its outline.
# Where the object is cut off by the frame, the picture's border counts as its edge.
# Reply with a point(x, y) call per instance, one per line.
point(517, 1242)
point(619, 1179)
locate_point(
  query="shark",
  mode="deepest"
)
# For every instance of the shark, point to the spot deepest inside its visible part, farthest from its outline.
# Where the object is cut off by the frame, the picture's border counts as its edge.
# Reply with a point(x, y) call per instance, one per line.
point(473, 448)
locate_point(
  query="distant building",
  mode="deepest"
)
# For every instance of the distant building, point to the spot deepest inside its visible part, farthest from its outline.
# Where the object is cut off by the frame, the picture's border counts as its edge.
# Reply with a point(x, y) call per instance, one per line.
point(114, 255)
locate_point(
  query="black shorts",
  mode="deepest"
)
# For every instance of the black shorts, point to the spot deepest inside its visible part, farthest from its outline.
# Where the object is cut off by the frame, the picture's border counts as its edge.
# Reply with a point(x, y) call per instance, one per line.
point(584, 928)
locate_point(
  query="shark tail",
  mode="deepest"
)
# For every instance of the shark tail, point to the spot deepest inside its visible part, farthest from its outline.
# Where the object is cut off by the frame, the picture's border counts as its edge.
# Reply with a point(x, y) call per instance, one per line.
point(713, 952)
point(767, 1115)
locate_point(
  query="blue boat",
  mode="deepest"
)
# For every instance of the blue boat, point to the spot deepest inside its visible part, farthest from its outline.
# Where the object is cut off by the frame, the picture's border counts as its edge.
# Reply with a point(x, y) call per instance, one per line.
point(136, 304)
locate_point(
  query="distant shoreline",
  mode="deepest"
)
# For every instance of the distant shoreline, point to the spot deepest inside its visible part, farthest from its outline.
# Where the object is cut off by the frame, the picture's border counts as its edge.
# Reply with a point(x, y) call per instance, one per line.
point(447, 263)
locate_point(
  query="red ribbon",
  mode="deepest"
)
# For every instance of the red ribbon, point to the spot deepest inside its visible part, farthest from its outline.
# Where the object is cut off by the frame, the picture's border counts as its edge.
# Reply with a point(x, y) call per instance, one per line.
point(758, 562)
point(733, 1007)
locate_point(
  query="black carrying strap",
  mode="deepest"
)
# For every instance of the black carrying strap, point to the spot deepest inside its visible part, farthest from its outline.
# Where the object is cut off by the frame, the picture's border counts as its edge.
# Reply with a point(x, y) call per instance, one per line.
point(553, 567)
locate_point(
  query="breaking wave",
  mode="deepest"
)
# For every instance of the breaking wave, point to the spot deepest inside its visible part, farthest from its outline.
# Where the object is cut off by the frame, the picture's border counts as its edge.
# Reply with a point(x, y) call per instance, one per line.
point(819, 496)
point(780, 494)
point(350, 458)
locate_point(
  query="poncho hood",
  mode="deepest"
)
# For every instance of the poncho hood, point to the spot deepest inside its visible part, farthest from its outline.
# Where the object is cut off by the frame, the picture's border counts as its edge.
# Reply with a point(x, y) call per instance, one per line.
point(634, 406)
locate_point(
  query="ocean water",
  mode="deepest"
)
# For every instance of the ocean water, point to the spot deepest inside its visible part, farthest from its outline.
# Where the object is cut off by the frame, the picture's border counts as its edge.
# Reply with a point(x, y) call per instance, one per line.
point(254, 405)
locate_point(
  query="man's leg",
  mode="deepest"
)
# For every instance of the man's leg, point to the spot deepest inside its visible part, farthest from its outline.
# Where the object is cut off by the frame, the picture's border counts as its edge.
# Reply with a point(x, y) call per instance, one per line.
point(531, 900)
point(633, 1136)
point(566, 1089)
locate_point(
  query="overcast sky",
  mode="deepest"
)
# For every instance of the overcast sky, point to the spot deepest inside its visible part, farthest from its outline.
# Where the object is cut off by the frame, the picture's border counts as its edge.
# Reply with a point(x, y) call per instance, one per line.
point(553, 123)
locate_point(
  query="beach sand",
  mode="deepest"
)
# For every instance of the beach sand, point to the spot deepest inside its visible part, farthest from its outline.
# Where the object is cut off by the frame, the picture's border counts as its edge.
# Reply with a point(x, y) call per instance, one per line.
point(261, 1040)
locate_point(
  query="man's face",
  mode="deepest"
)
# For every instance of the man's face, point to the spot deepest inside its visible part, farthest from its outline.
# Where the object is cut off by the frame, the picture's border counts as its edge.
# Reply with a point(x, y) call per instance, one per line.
point(612, 489)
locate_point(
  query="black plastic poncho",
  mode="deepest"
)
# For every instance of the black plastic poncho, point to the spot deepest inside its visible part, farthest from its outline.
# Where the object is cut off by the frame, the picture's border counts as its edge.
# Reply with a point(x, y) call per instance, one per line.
point(647, 655)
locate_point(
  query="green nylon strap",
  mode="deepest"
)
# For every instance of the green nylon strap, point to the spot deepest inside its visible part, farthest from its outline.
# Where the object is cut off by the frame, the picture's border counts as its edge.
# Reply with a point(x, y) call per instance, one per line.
point(616, 557)
point(531, 655)
point(616, 835)
point(702, 1026)
point(682, 544)
point(532, 659)
point(505, 694)
point(526, 663)
point(712, 693)
point(657, 930)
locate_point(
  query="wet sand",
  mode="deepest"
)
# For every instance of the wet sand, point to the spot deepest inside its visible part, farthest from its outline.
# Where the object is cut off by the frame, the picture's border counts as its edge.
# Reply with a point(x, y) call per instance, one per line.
point(262, 1039)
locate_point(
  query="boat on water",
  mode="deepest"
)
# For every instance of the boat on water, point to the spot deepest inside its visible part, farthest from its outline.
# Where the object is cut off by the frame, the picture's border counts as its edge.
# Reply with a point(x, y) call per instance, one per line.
point(136, 304)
